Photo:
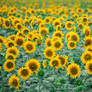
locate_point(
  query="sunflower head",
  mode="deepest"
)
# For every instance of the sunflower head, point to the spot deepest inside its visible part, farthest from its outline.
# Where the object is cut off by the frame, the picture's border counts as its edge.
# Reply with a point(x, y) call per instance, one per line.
point(63, 59)
point(58, 34)
point(73, 70)
point(74, 37)
point(33, 65)
point(9, 65)
point(88, 67)
point(18, 26)
point(10, 43)
point(57, 45)
point(43, 31)
point(55, 62)
point(14, 81)
point(13, 50)
point(49, 52)
point(1, 39)
point(7, 23)
point(56, 22)
point(29, 47)
point(24, 73)
point(48, 42)
point(86, 56)
point(25, 31)
point(88, 42)
point(69, 25)
point(10, 56)
point(19, 41)
point(87, 31)
point(71, 45)
point(89, 48)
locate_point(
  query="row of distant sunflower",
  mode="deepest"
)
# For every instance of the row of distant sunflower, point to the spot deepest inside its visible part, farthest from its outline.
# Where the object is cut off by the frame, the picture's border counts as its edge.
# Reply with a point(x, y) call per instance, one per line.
point(31, 31)
point(46, 3)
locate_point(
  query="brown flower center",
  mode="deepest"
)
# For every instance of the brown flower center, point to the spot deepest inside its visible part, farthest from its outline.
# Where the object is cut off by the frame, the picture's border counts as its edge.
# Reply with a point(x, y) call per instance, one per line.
point(20, 42)
point(74, 70)
point(33, 66)
point(29, 47)
point(55, 63)
point(15, 82)
point(49, 53)
point(24, 72)
point(9, 64)
point(87, 57)
point(90, 67)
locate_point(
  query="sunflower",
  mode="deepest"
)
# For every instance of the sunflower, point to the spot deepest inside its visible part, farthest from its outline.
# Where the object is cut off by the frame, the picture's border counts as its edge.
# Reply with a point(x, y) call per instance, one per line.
point(12, 37)
point(69, 25)
point(63, 59)
point(68, 35)
point(43, 31)
point(89, 48)
point(24, 73)
point(80, 10)
point(19, 41)
point(88, 67)
point(86, 56)
point(32, 11)
point(1, 40)
point(44, 63)
point(73, 70)
point(55, 62)
point(57, 45)
point(71, 45)
point(20, 34)
point(58, 27)
point(49, 52)
point(25, 31)
point(89, 23)
point(74, 37)
point(88, 42)
point(13, 50)
point(26, 22)
point(14, 81)
point(53, 18)
point(35, 37)
point(48, 42)
point(6, 23)
point(42, 25)
point(61, 18)
point(56, 22)
point(9, 65)
point(18, 26)
point(10, 56)
point(33, 65)
point(10, 43)
point(58, 34)
point(87, 31)
point(84, 19)
point(29, 47)
point(47, 20)
point(15, 21)
point(39, 41)
point(80, 26)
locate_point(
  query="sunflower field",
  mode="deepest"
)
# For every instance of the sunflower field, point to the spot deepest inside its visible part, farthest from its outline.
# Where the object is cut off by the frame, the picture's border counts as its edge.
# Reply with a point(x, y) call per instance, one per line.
point(45, 45)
